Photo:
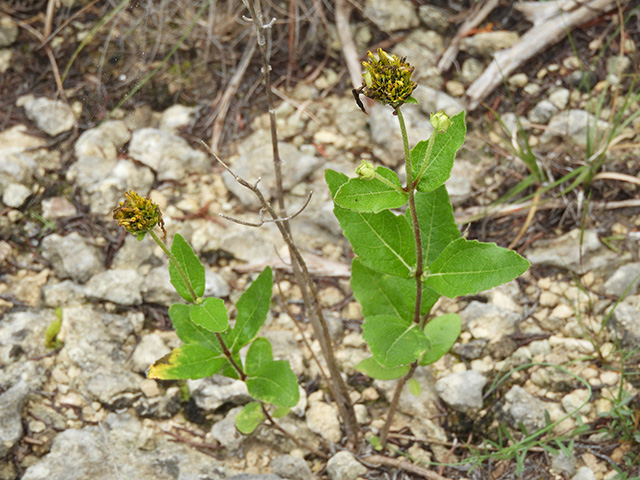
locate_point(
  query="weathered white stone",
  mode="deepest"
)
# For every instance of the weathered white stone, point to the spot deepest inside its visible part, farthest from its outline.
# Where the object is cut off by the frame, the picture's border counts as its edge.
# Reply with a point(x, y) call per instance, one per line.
point(51, 116)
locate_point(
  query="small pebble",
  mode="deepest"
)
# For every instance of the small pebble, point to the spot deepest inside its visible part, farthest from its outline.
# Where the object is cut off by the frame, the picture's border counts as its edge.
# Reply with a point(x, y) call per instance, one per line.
point(36, 426)
point(370, 394)
point(562, 312)
point(455, 88)
point(149, 388)
point(518, 80)
point(548, 299)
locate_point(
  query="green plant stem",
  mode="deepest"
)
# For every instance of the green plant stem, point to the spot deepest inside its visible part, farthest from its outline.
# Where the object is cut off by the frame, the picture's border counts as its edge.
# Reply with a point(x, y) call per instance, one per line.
point(425, 164)
point(414, 214)
point(173, 259)
point(405, 145)
point(418, 273)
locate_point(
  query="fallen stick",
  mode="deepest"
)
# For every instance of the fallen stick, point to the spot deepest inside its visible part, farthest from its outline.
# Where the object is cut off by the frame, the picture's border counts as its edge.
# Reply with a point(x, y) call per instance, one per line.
point(549, 29)
point(472, 22)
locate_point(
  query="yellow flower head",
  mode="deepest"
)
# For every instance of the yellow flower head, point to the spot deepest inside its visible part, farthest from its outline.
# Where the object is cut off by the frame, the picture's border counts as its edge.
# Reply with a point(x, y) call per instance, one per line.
point(138, 214)
point(387, 79)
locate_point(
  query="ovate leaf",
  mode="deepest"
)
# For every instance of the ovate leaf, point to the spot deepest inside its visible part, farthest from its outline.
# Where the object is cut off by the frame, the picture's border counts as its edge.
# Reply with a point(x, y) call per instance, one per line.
point(372, 195)
point(192, 267)
point(372, 368)
point(334, 180)
point(394, 342)
point(467, 267)
point(189, 332)
point(383, 241)
point(274, 383)
point(437, 225)
point(211, 315)
point(259, 354)
point(187, 361)
point(414, 387)
point(442, 332)
point(382, 294)
point(248, 419)
point(440, 161)
point(252, 307)
point(280, 412)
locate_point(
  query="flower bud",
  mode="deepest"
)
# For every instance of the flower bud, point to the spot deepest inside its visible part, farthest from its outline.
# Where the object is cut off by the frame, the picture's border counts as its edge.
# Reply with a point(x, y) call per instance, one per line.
point(366, 170)
point(440, 121)
point(138, 214)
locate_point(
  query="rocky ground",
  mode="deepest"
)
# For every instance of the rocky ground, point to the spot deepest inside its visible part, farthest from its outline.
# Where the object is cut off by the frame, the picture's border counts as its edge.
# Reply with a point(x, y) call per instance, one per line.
point(557, 348)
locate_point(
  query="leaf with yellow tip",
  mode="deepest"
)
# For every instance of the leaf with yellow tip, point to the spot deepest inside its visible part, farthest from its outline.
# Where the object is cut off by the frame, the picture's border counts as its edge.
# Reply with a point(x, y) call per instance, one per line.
point(188, 361)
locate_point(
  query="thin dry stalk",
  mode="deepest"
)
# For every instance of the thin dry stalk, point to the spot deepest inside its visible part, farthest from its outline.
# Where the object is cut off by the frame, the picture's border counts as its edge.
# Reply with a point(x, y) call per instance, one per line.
point(384, 433)
point(310, 299)
point(228, 95)
point(307, 285)
point(404, 465)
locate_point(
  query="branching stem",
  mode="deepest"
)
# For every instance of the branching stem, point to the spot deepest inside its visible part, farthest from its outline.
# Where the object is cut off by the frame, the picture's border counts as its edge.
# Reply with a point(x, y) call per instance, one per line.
point(304, 280)
point(229, 355)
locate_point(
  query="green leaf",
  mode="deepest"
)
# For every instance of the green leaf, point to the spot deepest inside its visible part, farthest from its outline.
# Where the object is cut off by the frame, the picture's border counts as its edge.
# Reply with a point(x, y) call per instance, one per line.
point(275, 383)
point(444, 151)
point(467, 267)
point(187, 361)
point(372, 368)
point(253, 307)
point(373, 195)
point(228, 370)
point(437, 225)
point(191, 266)
point(280, 412)
point(411, 100)
point(248, 419)
point(334, 180)
point(375, 443)
point(383, 241)
point(51, 340)
point(414, 387)
point(382, 294)
point(189, 332)
point(211, 315)
point(442, 332)
point(394, 342)
point(259, 354)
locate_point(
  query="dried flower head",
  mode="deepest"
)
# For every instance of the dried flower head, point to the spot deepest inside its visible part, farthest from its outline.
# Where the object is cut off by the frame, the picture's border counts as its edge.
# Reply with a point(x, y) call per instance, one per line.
point(138, 214)
point(387, 79)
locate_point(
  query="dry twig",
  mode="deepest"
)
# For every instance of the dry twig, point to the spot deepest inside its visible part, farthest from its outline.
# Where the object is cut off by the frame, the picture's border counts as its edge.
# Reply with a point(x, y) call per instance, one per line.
point(475, 19)
point(553, 28)
point(404, 465)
